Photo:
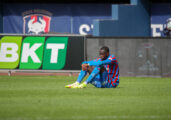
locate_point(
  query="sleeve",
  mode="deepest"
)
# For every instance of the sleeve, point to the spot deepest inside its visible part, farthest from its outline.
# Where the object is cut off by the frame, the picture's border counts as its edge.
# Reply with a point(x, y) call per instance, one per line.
point(110, 60)
point(91, 61)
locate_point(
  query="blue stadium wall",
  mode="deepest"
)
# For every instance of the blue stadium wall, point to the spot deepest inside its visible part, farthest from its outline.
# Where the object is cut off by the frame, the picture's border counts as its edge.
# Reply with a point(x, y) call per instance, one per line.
point(1, 18)
point(127, 20)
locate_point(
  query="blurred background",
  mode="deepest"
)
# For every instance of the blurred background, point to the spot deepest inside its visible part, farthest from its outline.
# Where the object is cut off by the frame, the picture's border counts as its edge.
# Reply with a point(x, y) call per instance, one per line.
point(87, 17)
point(136, 31)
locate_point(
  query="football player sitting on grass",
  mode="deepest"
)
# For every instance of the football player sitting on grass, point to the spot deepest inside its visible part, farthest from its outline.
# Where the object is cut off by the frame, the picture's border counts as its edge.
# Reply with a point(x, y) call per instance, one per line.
point(104, 71)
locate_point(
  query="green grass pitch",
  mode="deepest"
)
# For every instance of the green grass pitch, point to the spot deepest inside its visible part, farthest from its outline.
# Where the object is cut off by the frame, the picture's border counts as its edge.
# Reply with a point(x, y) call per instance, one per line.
point(45, 98)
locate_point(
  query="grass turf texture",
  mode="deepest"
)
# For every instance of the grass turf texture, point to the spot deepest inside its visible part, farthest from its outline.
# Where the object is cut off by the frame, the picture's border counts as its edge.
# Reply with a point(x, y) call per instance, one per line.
point(45, 98)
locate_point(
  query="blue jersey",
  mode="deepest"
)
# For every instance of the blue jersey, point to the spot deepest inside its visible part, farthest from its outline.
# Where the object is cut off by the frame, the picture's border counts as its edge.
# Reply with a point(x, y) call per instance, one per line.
point(111, 66)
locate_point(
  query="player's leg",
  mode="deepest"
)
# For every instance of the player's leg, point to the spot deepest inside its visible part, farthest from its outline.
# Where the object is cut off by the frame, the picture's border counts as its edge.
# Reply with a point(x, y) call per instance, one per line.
point(81, 76)
point(104, 76)
point(93, 73)
point(97, 82)
point(82, 73)
point(93, 78)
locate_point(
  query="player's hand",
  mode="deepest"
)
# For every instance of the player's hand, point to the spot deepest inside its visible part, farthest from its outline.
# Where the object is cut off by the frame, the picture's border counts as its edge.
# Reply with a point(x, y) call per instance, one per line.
point(84, 67)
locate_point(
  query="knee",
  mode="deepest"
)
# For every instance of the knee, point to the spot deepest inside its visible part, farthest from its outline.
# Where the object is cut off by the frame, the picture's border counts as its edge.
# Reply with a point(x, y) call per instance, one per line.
point(90, 69)
point(94, 70)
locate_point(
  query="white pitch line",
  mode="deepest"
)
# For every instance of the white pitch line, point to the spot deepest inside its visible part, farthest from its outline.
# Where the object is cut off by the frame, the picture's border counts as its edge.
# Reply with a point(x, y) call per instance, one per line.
point(132, 117)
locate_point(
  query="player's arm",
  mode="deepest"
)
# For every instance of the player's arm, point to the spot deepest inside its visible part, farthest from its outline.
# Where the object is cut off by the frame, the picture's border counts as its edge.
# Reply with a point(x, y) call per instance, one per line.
point(85, 65)
point(99, 63)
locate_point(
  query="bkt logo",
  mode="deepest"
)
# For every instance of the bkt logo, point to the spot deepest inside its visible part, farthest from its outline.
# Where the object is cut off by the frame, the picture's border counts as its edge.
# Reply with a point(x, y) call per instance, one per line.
point(36, 24)
point(33, 52)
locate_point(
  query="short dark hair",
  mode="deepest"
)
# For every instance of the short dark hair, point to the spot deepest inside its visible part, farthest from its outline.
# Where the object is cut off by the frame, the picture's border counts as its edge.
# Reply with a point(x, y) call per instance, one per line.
point(105, 48)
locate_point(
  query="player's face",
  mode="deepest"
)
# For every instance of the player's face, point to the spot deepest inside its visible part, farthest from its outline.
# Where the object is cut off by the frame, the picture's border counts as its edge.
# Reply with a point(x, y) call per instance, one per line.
point(103, 54)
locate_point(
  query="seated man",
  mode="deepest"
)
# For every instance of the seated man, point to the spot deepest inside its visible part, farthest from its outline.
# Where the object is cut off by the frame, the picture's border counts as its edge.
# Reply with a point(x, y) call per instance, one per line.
point(104, 71)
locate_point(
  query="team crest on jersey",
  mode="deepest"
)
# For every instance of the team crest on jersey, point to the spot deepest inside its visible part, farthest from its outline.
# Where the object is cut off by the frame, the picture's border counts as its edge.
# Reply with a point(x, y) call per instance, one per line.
point(107, 69)
point(110, 58)
point(36, 24)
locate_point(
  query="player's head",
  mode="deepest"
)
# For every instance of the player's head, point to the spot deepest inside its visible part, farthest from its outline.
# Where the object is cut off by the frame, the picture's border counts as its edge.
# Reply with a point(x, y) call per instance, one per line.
point(104, 52)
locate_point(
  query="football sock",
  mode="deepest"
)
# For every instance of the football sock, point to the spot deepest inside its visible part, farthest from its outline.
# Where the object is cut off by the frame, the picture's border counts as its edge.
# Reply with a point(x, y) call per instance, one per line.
point(81, 76)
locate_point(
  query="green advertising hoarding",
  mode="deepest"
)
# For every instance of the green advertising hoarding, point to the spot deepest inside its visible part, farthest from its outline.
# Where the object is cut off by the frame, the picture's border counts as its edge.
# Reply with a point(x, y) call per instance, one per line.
point(32, 53)
point(55, 53)
point(10, 51)
point(41, 52)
